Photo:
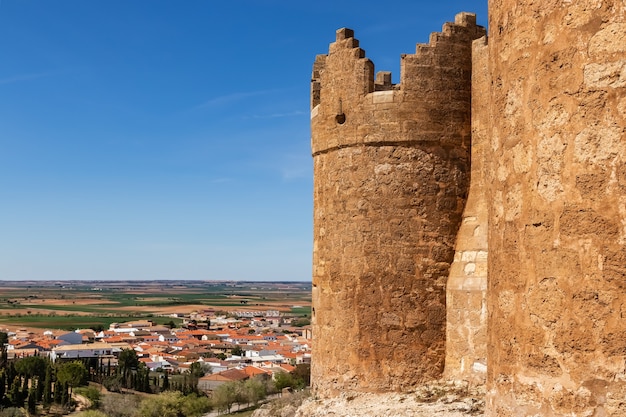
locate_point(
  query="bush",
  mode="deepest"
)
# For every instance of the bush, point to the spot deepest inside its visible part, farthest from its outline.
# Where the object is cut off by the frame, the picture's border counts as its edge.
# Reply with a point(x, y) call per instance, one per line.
point(92, 394)
point(174, 404)
point(12, 412)
point(91, 413)
point(120, 405)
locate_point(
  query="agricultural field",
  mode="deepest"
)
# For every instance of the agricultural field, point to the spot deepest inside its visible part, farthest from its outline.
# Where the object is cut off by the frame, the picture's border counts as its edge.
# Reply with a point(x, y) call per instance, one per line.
point(81, 304)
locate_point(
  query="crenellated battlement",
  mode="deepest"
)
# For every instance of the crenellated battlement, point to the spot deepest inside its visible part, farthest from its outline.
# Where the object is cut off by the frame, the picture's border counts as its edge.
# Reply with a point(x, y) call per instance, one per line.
point(353, 105)
point(447, 49)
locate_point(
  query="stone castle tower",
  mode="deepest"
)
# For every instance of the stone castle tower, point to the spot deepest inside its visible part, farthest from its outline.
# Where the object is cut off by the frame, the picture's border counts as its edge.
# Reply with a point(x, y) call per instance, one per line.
point(391, 169)
point(405, 229)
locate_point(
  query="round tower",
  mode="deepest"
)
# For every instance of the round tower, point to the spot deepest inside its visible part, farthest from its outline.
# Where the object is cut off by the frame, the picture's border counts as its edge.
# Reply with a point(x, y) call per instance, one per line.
point(391, 176)
point(557, 241)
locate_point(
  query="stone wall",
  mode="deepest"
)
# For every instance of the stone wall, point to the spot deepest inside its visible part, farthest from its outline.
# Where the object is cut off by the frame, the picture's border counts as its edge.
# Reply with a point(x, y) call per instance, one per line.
point(557, 254)
point(391, 177)
point(399, 250)
point(466, 330)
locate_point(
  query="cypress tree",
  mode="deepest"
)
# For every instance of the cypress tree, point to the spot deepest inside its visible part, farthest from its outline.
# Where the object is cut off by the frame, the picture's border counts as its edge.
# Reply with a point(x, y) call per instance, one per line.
point(11, 372)
point(15, 392)
point(40, 387)
point(32, 400)
point(166, 382)
point(3, 382)
point(57, 392)
point(47, 388)
point(65, 394)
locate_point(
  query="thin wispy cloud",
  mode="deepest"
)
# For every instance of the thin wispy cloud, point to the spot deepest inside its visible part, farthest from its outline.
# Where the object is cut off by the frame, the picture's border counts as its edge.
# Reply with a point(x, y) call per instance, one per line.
point(230, 98)
point(279, 115)
point(220, 180)
point(25, 77)
point(296, 166)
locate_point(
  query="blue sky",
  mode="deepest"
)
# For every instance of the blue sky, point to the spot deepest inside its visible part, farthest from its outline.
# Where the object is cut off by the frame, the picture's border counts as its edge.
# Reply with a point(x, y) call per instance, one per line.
point(153, 139)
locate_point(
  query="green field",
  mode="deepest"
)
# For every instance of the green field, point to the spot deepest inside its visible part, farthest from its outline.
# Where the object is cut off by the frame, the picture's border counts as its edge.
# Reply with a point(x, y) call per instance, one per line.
point(83, 304)
point(71, 322)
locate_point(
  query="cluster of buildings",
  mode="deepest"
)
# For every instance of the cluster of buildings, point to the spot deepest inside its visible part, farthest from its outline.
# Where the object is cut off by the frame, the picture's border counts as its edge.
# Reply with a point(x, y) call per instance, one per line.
point(232, 349)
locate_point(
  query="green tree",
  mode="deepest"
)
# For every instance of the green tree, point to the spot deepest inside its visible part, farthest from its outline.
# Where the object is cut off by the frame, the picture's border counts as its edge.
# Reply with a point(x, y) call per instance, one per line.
point(224, 396)
point(199, 369)
point(10, 370)
point(195, 405)
point(237, 351)
point(127, 362)
point(47, 388)
point(15, 392)
point(72, 374)
point(254, 390)
point(166, 382)
point(303, 374)
point(4, 340)
point(32, 366)
point(32, 400)
point(283, 380)
point(3, 381)
point(168, 404)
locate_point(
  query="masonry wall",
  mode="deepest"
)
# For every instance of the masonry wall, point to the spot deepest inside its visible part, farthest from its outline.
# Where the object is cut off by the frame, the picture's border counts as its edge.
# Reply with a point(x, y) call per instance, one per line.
point(557, 254)
point(466, 301)
point(391, 177)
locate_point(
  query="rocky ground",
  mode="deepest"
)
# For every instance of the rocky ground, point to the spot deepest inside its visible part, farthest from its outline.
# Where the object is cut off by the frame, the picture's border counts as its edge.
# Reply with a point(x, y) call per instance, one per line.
point(440, 399)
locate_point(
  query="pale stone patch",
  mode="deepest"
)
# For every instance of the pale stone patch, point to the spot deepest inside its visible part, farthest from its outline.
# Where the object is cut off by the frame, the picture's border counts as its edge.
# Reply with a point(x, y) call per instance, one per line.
point(469, 268)
point(604, 41)
point(390, 319)
point(622, 213)
point(621, 107)
point(503, 173)
point(498, 205)
point(554, 116)
point(383, 169)
point(612, 74)
point(513, 203)
point(382, 97)
point(315, 111)
point(506, 302)
point(550, 149)
point(598, 144)
point(468, 256)
point(550, 34)
point(549, 187)
point(522, 158)
point(513, 104)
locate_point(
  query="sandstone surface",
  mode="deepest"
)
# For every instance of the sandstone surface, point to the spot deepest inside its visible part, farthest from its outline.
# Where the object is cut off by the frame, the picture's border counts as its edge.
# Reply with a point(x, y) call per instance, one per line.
point(514, 268)
point(391, 167)
point(557, 259)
